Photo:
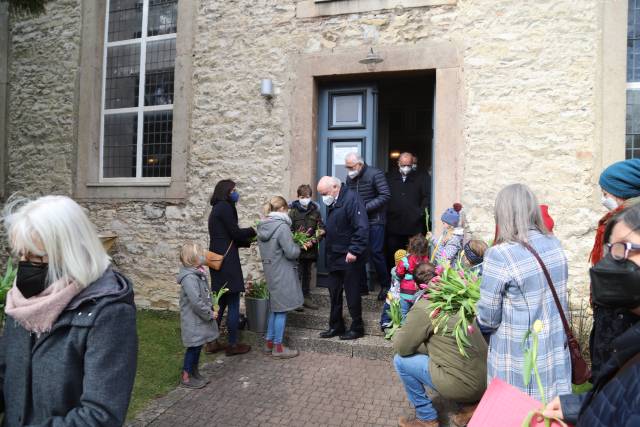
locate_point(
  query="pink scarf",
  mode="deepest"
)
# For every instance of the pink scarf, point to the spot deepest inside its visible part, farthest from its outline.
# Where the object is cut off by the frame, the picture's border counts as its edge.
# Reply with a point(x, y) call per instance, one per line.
point(38, 313)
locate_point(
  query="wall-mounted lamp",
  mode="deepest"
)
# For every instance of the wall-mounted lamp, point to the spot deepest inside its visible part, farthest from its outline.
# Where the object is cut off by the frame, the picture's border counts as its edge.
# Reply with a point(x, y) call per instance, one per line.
point(266, 88)
point(372, 58)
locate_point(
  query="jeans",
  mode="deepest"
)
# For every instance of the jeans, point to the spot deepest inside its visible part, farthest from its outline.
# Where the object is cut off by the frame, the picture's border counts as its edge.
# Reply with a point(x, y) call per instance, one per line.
point(414, 373)
point(191, 359)
point(376, 258)
point(405, 306)
point(385, 319)
point(304, 270)
point(275, 327)
point(231, 300)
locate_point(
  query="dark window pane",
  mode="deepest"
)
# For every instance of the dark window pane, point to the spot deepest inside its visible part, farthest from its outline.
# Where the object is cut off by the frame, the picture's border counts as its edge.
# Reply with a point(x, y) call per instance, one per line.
point(156, 148)
point(163, 17)
point(123, 73)
point(119, 146)
point(633, 41)
point(158, 86)
point(633, 124)
point(125, 19)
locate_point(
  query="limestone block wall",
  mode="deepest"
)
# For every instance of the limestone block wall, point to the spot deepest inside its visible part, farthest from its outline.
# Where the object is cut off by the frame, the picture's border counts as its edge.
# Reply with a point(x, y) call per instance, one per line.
point(529, 77)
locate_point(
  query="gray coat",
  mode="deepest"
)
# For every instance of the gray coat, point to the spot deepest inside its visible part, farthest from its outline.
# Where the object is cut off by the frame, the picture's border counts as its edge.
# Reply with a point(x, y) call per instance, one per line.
point(197, 326)
point(279, 254)
point(81, 372)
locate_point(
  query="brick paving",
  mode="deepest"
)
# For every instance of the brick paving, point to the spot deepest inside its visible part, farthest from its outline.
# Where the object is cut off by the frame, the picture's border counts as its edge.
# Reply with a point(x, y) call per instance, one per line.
point(312, 389)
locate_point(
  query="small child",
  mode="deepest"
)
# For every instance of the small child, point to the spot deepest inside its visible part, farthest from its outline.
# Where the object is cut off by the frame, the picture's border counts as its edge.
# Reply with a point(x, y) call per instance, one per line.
point(449, 245)
point(423, 274)
point(394, 291)
point(197, 318)
point(418, 252)
point(473, 254)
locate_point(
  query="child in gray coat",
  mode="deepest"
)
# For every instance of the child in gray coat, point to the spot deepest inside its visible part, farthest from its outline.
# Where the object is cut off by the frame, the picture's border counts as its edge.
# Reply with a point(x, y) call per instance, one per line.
point(197, 318)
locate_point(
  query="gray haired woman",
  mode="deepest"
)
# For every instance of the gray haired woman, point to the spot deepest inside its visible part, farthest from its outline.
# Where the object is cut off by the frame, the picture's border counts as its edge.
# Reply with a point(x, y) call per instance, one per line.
point(514, 293)
point(69, 347)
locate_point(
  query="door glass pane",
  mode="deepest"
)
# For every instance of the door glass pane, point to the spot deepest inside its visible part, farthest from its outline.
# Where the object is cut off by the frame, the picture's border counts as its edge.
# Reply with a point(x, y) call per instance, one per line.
point(163, 17)
point(158, 84)
point(120, 134)
point(347, 110)
point(156, 148)
point(125, 20)
point(633, 41)
point(339, 151)
point(633, 124)
point(123, 73)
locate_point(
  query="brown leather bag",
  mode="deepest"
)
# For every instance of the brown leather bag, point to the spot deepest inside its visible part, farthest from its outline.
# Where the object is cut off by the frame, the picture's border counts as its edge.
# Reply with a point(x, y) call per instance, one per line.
point(214, 260)
point(580, 371)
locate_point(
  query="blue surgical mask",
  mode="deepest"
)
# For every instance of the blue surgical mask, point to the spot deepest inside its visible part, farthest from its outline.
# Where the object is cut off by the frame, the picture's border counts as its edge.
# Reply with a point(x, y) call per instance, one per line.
point(234, 196)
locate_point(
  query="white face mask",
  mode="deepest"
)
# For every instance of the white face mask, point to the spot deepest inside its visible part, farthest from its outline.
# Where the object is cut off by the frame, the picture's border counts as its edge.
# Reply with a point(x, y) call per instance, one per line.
point(405, 170)
point(328, 199)
point(414, 167)
point(609, 203)
point(353, 174)
point(304, 202)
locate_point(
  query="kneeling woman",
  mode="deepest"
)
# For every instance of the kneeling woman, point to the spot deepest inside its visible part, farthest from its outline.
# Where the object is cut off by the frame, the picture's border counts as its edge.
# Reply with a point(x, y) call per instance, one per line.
point(424, 358)
point(279, 261)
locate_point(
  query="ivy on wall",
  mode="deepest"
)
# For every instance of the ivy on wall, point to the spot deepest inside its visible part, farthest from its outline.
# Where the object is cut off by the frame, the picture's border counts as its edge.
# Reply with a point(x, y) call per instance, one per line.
point(30, 7)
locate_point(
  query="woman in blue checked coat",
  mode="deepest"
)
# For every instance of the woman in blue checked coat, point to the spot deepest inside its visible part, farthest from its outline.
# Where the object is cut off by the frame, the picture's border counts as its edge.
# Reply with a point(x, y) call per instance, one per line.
point(514, 293)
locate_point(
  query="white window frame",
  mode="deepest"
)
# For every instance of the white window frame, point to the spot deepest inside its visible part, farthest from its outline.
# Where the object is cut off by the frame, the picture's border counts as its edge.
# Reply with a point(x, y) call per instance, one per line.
point(141, 108)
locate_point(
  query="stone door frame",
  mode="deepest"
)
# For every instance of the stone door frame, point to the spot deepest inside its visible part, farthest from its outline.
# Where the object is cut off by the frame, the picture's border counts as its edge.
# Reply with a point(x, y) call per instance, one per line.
point(443, 57)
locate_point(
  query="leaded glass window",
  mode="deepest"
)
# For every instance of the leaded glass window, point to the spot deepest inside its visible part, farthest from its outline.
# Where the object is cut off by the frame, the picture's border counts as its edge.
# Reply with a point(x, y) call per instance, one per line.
point(633, 81)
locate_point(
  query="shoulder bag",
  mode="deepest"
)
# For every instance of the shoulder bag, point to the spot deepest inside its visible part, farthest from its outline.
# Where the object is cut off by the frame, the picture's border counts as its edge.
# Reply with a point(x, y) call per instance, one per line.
point(214, 260)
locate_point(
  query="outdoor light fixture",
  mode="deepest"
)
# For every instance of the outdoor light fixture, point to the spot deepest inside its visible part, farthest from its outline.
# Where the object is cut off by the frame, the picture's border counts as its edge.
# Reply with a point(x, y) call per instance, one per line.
point(394, 154)
point(372, 58)
point(266, 88)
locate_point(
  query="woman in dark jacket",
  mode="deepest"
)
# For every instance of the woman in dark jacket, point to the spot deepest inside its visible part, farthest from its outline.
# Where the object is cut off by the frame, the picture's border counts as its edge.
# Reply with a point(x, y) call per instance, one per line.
point(615, 283)
point(226, 237)
point(69, 346)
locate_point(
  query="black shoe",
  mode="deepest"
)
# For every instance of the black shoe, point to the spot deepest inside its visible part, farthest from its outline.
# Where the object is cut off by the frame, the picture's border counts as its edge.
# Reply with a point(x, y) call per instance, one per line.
point(330, 333)
point(383, 294)
point(351, 335)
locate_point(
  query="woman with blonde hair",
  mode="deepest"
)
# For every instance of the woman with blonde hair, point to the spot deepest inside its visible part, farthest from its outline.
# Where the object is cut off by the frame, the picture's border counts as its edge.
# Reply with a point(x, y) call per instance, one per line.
point(279, 260)
point(514, 293)
point(69, 346)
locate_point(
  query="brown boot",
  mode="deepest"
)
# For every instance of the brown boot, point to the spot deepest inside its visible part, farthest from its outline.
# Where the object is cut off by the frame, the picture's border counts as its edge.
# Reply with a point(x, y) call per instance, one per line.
point(403, 422)
point(214, 347)
point(462, 417)
point(239, 348)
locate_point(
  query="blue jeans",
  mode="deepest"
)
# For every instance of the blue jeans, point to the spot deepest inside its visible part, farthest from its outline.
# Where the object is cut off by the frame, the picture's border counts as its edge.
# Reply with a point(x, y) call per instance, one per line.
point(405, 306)
point(191, 359)
point(414, 373)
point(385, 319)
point(376, 257)
point(275, 327)
point(231, 300)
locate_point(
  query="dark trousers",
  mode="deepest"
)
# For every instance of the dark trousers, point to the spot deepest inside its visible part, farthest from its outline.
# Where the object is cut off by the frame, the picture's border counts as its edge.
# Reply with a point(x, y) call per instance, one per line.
point(304, 270)
point(191, 359)
point(395, 242)
point(376, 258)
point(231, 300)
point(349, 281)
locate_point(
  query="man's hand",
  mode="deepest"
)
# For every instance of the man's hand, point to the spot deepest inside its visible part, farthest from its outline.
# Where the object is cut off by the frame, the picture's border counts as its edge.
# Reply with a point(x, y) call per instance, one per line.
point(553, 409)
point(350, 258)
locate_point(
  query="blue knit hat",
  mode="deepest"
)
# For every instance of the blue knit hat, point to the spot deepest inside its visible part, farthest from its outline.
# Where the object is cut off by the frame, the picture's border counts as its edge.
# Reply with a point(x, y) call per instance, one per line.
point(622, 179)
point(451, 217)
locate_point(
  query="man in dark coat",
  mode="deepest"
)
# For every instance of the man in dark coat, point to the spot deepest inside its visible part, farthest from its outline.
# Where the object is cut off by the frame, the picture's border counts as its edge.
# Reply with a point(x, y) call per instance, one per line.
point(347, 229)
point(409, 198)
point(371, 185)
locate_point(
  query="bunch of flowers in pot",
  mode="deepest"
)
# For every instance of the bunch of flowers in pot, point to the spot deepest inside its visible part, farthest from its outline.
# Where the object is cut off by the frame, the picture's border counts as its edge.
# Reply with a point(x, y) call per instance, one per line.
point(257, 305)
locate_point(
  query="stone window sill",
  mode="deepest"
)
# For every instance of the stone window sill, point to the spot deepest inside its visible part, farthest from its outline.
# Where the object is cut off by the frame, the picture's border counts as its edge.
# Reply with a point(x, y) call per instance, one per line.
point(313, 8)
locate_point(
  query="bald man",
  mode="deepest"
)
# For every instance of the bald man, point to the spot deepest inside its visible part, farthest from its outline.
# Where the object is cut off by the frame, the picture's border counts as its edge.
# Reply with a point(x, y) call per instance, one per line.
point(346, 240)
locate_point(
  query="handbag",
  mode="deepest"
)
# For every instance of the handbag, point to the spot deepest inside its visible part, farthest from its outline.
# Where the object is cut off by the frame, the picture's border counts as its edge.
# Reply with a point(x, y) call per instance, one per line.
point(214, 260)
point(580, 371)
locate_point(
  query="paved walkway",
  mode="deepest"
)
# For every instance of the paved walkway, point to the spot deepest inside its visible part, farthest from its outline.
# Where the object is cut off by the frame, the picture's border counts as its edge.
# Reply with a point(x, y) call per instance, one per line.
point(312, 389)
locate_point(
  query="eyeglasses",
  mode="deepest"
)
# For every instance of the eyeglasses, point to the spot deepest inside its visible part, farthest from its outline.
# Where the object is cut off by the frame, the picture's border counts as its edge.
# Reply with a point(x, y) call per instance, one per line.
point(620, 250)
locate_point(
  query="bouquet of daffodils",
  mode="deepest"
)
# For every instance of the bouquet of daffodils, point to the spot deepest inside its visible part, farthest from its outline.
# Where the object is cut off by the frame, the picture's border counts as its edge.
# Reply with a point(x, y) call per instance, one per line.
point(455, 291)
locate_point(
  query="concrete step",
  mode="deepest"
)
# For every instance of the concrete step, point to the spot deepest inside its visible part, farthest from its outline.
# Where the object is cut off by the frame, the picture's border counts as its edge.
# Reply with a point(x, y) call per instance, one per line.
point(369, 346)
point(370, 302)
point(319, 320)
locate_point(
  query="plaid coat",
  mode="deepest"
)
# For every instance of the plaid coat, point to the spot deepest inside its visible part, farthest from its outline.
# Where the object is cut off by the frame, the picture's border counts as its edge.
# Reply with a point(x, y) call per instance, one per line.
point(513, 294)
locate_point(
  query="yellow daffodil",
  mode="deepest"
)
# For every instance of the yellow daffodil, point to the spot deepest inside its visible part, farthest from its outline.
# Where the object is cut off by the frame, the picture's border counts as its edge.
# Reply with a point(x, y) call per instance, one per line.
point(537, 326)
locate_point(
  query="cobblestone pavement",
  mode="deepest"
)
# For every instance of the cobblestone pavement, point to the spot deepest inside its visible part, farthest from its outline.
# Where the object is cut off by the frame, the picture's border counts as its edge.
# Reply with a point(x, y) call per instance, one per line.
point(312, 389)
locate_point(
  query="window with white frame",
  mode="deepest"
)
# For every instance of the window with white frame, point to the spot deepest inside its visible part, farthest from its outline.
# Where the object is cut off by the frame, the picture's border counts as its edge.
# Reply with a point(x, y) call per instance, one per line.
point(137, 90)
point(633, 81)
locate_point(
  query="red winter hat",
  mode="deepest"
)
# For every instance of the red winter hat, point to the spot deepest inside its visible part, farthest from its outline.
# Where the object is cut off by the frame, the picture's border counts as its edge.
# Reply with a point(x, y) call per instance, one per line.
point(546, 218)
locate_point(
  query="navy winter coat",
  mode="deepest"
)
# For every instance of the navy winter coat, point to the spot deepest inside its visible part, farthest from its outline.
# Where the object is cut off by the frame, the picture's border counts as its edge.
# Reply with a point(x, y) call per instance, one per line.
point(347, 230)
point(612, 403)
point(372, 187)
point(223, 228)
point(80, 373)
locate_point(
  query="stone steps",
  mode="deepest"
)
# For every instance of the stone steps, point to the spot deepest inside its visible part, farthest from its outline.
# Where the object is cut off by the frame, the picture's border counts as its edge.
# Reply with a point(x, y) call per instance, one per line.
point(370, 302)
point(319, 320)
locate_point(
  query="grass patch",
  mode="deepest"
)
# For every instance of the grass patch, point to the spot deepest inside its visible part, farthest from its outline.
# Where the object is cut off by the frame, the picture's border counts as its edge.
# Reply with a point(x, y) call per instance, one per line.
point(160, 356)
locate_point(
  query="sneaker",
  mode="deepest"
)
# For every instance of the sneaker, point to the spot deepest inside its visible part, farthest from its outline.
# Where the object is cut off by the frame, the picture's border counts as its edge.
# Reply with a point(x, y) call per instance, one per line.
point(196, 374)
point(267, 348)
point(192, 382)
point(286, 353)
point(308, 303)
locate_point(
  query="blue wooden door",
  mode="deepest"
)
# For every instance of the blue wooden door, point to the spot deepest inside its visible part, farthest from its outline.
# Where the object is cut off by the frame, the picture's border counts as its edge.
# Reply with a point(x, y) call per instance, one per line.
point(347, 121)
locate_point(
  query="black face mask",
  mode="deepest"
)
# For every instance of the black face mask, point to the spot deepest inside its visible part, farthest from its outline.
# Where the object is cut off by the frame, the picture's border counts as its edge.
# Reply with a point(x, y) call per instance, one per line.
point(615, 284)
point(31, 278)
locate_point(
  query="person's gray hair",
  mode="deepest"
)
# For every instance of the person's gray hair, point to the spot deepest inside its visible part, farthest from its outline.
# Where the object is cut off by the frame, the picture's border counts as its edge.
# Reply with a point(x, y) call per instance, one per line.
point(406, 154)
point(57, 227)
point(355, 157)
point(516, 212)
point(335, 181)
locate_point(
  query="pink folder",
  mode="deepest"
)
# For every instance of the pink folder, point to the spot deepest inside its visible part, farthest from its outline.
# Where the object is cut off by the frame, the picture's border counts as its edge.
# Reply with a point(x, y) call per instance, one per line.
point(503, 405)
